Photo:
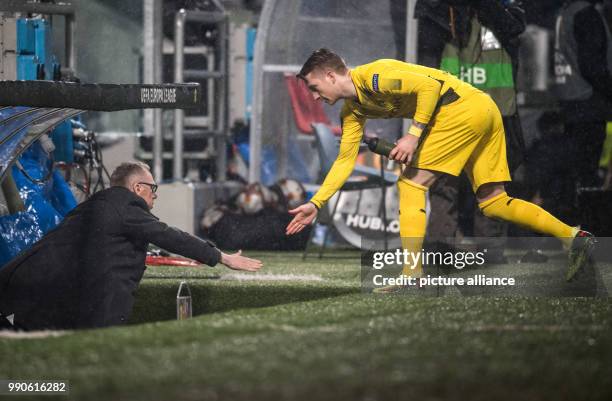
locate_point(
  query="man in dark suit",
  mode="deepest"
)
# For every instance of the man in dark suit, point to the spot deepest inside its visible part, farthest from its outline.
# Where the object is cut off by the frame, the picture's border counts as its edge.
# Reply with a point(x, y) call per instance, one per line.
point(85, 272)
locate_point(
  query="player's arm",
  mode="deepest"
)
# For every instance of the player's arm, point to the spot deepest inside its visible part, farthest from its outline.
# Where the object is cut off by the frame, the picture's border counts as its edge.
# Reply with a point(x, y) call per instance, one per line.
point(427, 92)
point(352, 131)
point(411, 83)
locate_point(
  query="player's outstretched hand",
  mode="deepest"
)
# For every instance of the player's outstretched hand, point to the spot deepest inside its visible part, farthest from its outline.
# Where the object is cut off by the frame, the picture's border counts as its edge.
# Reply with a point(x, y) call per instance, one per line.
point(404, 151)
point(238, 262)
point(304, 215)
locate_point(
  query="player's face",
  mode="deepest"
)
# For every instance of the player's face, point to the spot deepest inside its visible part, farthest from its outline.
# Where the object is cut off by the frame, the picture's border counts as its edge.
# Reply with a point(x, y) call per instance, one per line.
point(145, 187)
point(322, 85)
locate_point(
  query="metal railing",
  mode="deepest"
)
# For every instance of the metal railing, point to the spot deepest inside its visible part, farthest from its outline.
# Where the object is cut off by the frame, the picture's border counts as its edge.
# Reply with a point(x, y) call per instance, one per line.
point(215, 121)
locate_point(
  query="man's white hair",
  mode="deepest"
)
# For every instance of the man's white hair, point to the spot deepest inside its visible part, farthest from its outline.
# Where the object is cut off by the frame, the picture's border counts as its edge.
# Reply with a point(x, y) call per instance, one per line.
point(126, 172)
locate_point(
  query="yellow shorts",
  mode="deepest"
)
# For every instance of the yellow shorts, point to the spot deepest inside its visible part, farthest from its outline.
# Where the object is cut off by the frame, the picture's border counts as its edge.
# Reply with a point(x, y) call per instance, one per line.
point(467, 134)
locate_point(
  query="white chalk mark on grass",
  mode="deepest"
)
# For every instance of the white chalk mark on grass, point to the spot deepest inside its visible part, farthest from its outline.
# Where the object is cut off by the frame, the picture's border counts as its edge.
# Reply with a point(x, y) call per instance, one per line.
point(297, 329)
point(31, 334)
point(533, 327)
point(271, 277)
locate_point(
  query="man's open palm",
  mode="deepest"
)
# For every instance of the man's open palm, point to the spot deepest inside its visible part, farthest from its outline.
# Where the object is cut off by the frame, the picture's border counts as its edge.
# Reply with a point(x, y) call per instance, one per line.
point(238, 262)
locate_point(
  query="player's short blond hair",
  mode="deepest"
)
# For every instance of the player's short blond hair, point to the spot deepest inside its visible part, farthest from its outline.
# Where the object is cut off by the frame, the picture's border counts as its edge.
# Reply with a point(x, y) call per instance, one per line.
point(323, 59)
point(124, 173)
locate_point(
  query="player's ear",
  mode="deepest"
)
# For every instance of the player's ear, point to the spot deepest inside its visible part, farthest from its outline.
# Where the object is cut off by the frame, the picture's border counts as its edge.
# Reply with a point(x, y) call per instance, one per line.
point(331, 76)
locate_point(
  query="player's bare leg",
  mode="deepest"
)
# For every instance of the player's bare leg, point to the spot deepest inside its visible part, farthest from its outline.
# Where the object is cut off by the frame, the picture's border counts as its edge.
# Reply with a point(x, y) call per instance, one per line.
point(421, 176)
point(489, 190)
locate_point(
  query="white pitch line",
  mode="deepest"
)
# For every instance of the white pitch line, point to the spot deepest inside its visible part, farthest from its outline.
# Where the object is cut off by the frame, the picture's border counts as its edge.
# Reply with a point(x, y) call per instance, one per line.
point(295, 329)
point(271, 277)
point(535, 327)
point(18, 335)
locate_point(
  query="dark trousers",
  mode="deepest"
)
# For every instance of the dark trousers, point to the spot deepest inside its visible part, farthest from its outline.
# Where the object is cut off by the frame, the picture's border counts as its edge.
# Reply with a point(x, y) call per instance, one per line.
point(587, 140)
point(454, 205)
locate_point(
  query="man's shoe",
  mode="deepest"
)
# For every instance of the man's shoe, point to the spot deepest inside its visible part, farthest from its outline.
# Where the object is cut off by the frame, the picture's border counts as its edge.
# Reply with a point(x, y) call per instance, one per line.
point(580, 253)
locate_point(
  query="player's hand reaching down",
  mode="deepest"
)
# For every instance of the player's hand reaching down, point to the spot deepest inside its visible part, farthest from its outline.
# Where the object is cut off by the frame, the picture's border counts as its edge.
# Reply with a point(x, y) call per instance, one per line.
point(238, 262)
point(304, 215)
point(404, 151)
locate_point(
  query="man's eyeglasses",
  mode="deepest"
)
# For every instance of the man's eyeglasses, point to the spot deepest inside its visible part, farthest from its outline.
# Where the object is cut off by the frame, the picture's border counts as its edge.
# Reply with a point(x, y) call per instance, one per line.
point(152, 186)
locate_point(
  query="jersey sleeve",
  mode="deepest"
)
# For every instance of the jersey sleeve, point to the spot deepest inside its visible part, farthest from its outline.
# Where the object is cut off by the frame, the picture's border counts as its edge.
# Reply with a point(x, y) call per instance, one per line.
point(410, 83)
point(352, 131)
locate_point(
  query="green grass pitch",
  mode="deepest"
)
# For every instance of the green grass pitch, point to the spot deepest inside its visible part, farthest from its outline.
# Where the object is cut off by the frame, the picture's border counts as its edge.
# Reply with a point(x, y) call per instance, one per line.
point(321, 338)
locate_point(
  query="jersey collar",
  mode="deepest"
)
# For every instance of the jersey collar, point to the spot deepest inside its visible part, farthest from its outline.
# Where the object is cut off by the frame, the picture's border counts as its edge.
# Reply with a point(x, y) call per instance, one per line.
point(355, 80)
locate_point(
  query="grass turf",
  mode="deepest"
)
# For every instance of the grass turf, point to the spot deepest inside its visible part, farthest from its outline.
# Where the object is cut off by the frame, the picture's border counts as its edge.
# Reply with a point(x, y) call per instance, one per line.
point(320, 340)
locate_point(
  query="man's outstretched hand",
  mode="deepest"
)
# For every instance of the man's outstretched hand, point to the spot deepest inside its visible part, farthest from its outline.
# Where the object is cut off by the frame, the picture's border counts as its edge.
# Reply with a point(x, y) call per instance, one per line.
point(304, 215)
point(238, 262)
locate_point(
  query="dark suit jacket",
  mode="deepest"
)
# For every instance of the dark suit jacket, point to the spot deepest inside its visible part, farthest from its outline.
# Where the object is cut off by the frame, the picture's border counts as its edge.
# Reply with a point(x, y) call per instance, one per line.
point(84, 273)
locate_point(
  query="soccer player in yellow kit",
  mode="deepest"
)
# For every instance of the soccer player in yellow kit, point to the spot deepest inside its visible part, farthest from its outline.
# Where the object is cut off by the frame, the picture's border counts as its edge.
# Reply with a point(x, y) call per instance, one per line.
point(461, 127)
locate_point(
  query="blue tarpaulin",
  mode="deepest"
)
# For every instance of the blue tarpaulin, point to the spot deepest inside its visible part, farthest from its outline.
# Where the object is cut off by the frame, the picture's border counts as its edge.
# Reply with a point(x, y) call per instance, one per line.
point(45, 194)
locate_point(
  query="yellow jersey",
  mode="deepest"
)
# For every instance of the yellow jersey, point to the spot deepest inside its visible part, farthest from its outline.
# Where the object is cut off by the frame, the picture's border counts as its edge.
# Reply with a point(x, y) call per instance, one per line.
point(385, 88)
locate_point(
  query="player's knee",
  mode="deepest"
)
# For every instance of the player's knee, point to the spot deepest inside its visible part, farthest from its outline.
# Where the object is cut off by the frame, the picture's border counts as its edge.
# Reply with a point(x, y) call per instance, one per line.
point(489, 190)
point(407, 187)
